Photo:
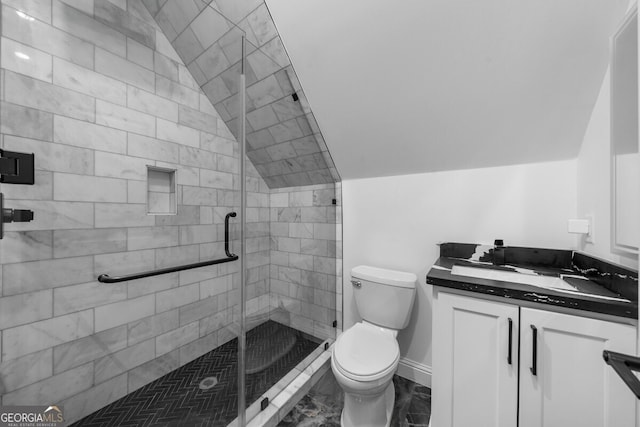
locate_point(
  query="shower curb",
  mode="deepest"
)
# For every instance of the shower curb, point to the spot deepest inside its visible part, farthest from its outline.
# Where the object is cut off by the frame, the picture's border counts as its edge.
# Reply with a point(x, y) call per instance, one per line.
point(284, 395)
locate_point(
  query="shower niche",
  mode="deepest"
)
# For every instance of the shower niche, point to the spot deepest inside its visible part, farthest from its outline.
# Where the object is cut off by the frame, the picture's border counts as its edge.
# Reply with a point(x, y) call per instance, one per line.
point(161, 191)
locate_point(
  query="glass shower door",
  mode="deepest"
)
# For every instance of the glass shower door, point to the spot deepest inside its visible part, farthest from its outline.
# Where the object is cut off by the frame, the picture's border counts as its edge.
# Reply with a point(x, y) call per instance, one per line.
point(135, 172)
point(134, 117)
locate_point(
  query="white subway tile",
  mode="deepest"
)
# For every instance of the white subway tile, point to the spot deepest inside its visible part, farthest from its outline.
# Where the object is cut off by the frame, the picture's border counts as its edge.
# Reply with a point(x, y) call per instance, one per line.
point(46, 274)
point(209, 26)
point(25, 308)
point(79, 352)
point(177, 255)
point(324, 231)
point(77, 188)
point(35, 8)
point(75, 22)
point(85, 6)
point(136, 192)
point(114, 13)
point(68, 243)
point(177, 338)
point(217, 144)
point(124, 118)
point(198, 120)
point(152, 370)
point(164, 46)
point(26, 122)
point(177, 297)
point(165, 66)
point(83, 80)
point(40, 335)
point(95, 398)
point(196, 157)
point(149, 285)
point(140, 54)
point(44, 37)
point(152, 326)
point(149, 103)
point(198, 348)
point(25, 370)
point(69, 299)
point(121, 361)
point(123, 215)
point(190, 234)
point(23, 90)
point(152, 237)
point(61, 386)
point(119, 166)
point(88, 135)
point(54, 215)
point(120, 313)
point(27, 246)
point(177, 92)
point(215, 179)
point(301, 198)
point(26, 60)
point(124, 262)
point(54, 157)
point(174, 132)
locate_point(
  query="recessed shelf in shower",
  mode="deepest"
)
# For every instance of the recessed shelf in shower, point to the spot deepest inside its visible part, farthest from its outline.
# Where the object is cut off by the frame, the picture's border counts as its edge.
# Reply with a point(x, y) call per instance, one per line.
point(161, 191)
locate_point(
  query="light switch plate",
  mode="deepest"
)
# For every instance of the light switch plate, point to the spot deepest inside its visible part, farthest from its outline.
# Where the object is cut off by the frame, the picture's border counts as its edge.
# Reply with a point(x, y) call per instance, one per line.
point(590, 237)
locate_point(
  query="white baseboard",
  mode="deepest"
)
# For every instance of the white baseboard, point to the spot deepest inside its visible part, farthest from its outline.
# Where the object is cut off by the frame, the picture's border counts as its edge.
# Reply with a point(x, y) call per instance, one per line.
point(414, 371)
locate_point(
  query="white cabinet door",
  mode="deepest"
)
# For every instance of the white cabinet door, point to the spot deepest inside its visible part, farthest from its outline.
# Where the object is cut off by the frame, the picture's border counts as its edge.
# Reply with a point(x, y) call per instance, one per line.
point(473, 383)
point(569, 384)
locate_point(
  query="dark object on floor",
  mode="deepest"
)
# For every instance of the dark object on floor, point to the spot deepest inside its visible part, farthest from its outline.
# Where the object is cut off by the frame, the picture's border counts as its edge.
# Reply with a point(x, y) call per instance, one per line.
point(323, 404)
point(176, 399)
point(267, 347)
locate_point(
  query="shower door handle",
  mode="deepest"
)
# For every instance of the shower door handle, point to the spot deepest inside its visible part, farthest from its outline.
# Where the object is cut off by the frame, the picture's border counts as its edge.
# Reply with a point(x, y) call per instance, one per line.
point(226, 233)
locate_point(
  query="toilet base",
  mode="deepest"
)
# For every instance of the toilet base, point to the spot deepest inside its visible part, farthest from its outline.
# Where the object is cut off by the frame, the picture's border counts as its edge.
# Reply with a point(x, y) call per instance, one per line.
point(364, 411)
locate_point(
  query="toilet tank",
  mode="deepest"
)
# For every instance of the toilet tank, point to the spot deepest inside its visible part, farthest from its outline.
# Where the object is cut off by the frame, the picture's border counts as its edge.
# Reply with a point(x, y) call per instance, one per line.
point(384, 297)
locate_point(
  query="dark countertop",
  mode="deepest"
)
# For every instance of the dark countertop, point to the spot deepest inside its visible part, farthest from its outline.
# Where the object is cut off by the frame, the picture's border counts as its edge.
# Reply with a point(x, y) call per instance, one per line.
point(594, 279)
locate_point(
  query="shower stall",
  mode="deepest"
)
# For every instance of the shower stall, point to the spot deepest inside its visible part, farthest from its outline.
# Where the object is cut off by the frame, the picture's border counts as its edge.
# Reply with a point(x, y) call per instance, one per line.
point(170, 238)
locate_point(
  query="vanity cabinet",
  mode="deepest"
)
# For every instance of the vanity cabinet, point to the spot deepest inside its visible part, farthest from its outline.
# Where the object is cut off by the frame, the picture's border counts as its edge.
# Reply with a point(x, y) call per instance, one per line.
point(499, 364)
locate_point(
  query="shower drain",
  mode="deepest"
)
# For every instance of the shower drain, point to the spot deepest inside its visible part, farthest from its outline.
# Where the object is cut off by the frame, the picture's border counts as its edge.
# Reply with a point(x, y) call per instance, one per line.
point(208, 383)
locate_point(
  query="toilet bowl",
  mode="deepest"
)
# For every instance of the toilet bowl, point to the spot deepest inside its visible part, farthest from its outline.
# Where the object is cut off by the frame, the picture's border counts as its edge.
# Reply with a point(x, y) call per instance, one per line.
point(365, 357)
point(364, 360)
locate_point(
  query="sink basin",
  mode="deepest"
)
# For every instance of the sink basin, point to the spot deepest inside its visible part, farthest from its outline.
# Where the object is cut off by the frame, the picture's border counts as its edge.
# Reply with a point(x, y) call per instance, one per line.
point(512, 276)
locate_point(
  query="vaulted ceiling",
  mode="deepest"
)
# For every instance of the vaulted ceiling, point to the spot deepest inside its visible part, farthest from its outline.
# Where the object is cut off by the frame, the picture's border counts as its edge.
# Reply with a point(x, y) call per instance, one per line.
point(284, 142)
point(426, 85)
point(398, 87)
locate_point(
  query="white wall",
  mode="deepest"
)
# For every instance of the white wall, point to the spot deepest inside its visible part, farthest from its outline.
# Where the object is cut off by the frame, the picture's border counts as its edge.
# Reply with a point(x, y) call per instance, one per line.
point(594, 182)
point(396, 222)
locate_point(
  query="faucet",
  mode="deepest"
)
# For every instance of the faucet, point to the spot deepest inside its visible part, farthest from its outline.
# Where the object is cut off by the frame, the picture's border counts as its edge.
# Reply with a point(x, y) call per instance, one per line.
point(498, 252)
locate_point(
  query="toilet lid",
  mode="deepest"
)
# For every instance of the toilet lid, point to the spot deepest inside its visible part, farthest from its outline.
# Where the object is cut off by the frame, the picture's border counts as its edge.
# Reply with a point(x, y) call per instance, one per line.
point(366, 351)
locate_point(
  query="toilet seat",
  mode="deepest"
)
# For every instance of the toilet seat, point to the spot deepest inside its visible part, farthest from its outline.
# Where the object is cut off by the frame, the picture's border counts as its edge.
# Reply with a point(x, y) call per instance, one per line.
point(366, 352)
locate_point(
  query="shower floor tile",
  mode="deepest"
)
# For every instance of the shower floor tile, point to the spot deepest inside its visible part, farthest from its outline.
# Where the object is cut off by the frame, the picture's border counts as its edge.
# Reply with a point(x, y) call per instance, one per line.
point(177, 400)
point(323, 404)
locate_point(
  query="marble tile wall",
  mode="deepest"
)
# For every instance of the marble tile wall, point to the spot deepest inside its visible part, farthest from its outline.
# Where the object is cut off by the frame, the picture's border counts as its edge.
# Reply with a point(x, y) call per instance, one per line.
point(98, 93)
point(306, 258)
point(285, 143)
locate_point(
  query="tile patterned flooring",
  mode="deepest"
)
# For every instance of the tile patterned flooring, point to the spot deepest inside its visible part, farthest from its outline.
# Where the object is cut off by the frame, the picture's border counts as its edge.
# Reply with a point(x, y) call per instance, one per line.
point(176, 399)
point(323, 404)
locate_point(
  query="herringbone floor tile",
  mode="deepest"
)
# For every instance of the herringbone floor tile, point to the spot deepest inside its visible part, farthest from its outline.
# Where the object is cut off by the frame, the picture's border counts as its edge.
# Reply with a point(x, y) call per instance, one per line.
point(176, 399)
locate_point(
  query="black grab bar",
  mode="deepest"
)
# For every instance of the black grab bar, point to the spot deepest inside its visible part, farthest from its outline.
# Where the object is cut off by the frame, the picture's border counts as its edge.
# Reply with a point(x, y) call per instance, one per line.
point(624, 365)
point(226, 233)
point(105, 278)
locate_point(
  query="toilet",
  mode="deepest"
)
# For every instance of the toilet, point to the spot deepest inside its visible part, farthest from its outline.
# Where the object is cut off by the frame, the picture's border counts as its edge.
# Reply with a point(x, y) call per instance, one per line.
point(365, 356)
